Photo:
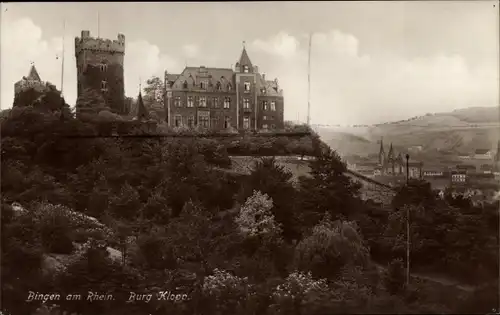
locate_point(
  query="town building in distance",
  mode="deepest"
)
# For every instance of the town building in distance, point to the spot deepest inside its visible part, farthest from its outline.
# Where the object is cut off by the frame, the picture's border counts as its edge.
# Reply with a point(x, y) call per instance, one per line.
point(99, 64)
point(223, 98)
point(392, 164)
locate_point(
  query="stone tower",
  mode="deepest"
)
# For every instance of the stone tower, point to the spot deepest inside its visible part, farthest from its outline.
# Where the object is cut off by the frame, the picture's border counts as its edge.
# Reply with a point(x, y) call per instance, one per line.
point(246, 92)
point(99, 64)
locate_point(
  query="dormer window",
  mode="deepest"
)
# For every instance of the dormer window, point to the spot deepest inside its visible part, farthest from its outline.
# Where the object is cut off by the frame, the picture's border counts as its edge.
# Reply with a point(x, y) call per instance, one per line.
point(247, 86)
point(263, 91)
point(245, 69)
point(229, 87)
point(218, 86)
point(185, 85)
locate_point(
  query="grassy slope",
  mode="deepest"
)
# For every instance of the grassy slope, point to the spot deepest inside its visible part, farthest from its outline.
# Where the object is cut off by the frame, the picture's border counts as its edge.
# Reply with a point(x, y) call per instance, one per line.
point(462, 131)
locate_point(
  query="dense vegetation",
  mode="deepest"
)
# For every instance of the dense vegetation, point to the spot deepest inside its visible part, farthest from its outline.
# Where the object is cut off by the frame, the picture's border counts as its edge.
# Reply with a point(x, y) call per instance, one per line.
point(235, 244)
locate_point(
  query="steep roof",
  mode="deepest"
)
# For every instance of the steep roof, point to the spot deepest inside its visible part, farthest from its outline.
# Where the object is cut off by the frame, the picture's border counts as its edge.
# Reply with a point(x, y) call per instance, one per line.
point(192, 75)
point(33, 75)
point(391, 152)
point(142, 113)
point(244, 59)
point(382, 151)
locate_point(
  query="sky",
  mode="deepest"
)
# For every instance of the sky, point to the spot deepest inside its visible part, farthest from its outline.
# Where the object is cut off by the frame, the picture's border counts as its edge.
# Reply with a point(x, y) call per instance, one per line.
point(371, 62)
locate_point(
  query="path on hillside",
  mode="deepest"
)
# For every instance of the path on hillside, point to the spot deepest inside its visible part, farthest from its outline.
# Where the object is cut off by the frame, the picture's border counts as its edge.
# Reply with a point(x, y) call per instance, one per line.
point(435, 278)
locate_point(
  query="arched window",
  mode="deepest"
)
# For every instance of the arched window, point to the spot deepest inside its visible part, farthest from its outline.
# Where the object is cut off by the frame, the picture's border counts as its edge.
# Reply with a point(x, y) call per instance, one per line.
point(185, 85)
point(218, 86)
point(245, 69)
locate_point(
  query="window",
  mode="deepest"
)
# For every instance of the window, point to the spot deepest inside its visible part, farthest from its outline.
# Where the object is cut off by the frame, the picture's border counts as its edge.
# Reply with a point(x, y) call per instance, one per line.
point(190, 101)
point(263, 91)
point(246, 103)
point(202, 102)
point(104, 86)
point(191, 121)
point(229, 86)
point(247, 86)
point(265, 105)
point(204, 121)
point(203, 84)
point(218, 86)
point(273, 126)
point(273, 106)
point(177, 101)
point(227, 102)
point(227, 122)
point(104, 67)
point(215, 102)
point(185, 85)
point(178, 120)
point(246, 122)
point(264, 126)
point(245, 69)
point(215, 122)
point(264, 118)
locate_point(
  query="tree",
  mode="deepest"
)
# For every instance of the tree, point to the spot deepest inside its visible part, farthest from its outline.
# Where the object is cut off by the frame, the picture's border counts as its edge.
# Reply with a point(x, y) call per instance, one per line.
point(274, 180)
point(328, 190)
point(153, 96)
point(331, 247)
point(255, 217)
point(90, 103)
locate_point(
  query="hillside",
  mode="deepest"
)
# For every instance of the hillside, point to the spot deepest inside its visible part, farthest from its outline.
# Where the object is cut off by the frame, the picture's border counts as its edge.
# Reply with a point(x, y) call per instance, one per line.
point(462, 130)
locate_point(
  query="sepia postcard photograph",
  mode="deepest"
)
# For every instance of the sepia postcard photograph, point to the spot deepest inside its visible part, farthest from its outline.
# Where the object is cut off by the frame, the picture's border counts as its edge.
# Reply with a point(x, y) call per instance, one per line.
point(253, 158)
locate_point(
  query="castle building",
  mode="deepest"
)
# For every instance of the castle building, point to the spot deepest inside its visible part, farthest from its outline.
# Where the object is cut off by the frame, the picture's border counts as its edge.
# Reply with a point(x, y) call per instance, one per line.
point(395, 165)
point(99, 64)
point(32, 81)
point(221, 98)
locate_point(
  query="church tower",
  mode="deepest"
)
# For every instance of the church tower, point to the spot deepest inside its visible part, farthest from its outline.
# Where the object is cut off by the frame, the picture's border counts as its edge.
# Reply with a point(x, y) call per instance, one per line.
point(99, 64)
point(381, 153)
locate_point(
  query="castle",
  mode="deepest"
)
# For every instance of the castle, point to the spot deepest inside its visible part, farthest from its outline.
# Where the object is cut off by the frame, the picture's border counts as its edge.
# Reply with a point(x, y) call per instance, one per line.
point(32, 81)
point(221, 98)
point(99, 64)
point(214, 98)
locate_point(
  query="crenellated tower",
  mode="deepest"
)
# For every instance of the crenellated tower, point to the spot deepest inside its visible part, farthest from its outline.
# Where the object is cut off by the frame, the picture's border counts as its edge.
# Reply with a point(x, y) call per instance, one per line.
point(100, 66)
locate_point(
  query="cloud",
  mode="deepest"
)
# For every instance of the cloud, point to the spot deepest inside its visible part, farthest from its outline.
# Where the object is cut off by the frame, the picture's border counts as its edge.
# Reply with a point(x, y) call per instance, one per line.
point(191, 50)
point(22, 42)
point(348, 87)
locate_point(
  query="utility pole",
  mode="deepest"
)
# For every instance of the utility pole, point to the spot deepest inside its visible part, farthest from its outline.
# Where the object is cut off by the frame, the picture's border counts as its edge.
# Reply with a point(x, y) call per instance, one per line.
point(309, 83)
point(407, 224)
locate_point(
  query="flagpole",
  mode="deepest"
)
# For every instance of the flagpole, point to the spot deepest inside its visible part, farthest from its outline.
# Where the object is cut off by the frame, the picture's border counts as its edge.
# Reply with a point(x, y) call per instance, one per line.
point(309, 83)
point(62, 59)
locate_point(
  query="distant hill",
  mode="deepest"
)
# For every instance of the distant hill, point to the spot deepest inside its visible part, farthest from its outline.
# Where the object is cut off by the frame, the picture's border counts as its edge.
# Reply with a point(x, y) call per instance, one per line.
point(462, 130)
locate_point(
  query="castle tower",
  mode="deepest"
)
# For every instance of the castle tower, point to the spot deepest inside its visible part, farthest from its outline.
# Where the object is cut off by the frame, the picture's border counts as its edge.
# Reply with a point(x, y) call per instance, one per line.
point(32, 81)
point(246, 92)
point(100, 65)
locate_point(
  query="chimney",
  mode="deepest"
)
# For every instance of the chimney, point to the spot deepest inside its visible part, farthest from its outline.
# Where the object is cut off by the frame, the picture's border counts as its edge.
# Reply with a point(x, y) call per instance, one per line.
point(264, 76)
point(255, 69)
